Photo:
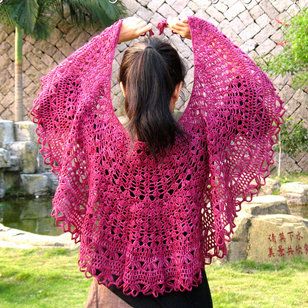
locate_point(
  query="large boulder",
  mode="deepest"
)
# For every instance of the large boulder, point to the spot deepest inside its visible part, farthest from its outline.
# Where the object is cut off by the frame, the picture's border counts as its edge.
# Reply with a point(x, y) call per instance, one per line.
point(276, 237)
point(265, 231)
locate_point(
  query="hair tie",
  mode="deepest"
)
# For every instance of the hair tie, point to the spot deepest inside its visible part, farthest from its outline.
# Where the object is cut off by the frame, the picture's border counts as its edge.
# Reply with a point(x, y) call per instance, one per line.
point(162, 25)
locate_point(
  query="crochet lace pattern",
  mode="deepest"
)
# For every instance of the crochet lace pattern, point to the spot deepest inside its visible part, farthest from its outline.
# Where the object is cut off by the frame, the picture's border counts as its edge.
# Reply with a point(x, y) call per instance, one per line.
point(150, 227)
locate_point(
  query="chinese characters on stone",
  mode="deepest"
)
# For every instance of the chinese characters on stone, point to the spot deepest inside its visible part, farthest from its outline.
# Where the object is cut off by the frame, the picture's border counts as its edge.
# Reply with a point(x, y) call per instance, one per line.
point(278, 244)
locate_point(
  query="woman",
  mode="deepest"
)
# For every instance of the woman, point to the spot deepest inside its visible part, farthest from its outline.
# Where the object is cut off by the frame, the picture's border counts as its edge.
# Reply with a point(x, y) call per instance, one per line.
point(153, 202)
point(151, 77)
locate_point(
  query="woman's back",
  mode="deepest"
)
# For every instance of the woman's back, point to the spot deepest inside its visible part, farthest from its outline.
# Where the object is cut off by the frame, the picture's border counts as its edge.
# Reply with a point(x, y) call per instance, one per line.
point(145, 224)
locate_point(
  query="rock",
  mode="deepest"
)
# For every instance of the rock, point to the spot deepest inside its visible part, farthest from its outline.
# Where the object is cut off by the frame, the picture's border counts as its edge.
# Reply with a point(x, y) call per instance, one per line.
point(35, 184)
point(295, 192)
point(237, 248)
point(276, 237)
point(266, 204)
point(14, 163)
point(25, 131)
point(16, 238)
point(6, 132)
point(10, 180)
point(26, 152)
point(5, 161)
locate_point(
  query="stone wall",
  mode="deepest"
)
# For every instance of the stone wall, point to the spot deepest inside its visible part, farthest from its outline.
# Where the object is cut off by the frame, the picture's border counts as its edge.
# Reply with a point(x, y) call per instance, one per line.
point(22, 169)
point(251, 24)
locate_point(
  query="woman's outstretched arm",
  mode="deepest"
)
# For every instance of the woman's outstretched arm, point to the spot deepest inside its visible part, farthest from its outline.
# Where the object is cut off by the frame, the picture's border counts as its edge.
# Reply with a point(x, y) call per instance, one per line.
point(242, 114)
point(64, 105)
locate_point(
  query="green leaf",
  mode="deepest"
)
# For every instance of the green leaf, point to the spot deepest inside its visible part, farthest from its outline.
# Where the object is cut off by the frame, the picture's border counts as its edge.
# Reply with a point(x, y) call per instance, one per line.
point(25, 13)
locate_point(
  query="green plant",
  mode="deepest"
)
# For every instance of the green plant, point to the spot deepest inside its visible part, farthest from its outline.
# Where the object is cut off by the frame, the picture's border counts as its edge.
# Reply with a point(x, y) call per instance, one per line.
point(294, 137)
point(294, 56)
point(36, 18)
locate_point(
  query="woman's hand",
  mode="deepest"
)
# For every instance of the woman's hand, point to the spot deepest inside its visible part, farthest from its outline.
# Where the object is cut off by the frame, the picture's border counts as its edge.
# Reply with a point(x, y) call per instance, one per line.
point(133, 27)
point(179, 26)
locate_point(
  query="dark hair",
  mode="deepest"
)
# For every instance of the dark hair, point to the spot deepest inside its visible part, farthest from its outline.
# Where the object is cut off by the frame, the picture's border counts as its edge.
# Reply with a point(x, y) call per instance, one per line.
point(149, 72)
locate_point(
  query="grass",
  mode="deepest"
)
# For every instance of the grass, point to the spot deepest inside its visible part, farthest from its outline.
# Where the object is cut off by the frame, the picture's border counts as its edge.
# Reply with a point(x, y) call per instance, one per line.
point(50, 278)
point(41, 278)
point(293, 177)
point(251, 284)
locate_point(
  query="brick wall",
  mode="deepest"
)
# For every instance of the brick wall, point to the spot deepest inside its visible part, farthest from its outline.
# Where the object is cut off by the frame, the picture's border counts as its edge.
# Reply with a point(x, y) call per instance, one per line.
point(250, 24)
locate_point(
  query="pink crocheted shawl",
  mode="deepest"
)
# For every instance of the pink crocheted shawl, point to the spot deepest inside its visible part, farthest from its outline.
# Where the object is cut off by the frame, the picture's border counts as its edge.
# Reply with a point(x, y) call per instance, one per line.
point(150, 227)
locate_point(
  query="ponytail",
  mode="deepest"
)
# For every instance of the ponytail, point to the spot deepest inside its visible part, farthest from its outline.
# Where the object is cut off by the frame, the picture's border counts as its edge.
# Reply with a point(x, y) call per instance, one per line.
point(150, 82)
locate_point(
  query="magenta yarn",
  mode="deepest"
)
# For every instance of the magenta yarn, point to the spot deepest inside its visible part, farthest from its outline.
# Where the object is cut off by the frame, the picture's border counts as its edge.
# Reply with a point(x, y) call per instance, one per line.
point(150, 227)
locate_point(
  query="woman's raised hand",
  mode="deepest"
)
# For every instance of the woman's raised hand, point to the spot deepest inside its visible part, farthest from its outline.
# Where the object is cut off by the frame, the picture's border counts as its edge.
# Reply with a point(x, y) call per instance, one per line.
point(133, 27)
point(179, 26)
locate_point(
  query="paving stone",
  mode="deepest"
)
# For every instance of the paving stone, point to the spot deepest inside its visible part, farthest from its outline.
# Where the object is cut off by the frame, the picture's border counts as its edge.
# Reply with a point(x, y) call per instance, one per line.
point(263, 20)
point(179, 5)
point(186, 12)
point(249, 4)
point(213, 21)
point(269, 8)
point(267, 31)
point(154, 5)
point(293, 10)
point(301, 96)
point(246, 18)
point(144, 2)
point(281, 6)
point(234, 10)
point(266, 47)
point(220, 6)
point(302, 3)
point(193, 6)
point(248, 46)
point(144, 13)
point(237, 25)
point(256, 12)
point(202, 14)
point(277, 36)
point(251, 30)
point(166, 10)
point(156, 17)
point(132, 6)
point(213, 12)
point(203, 4)
point(277, 50)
